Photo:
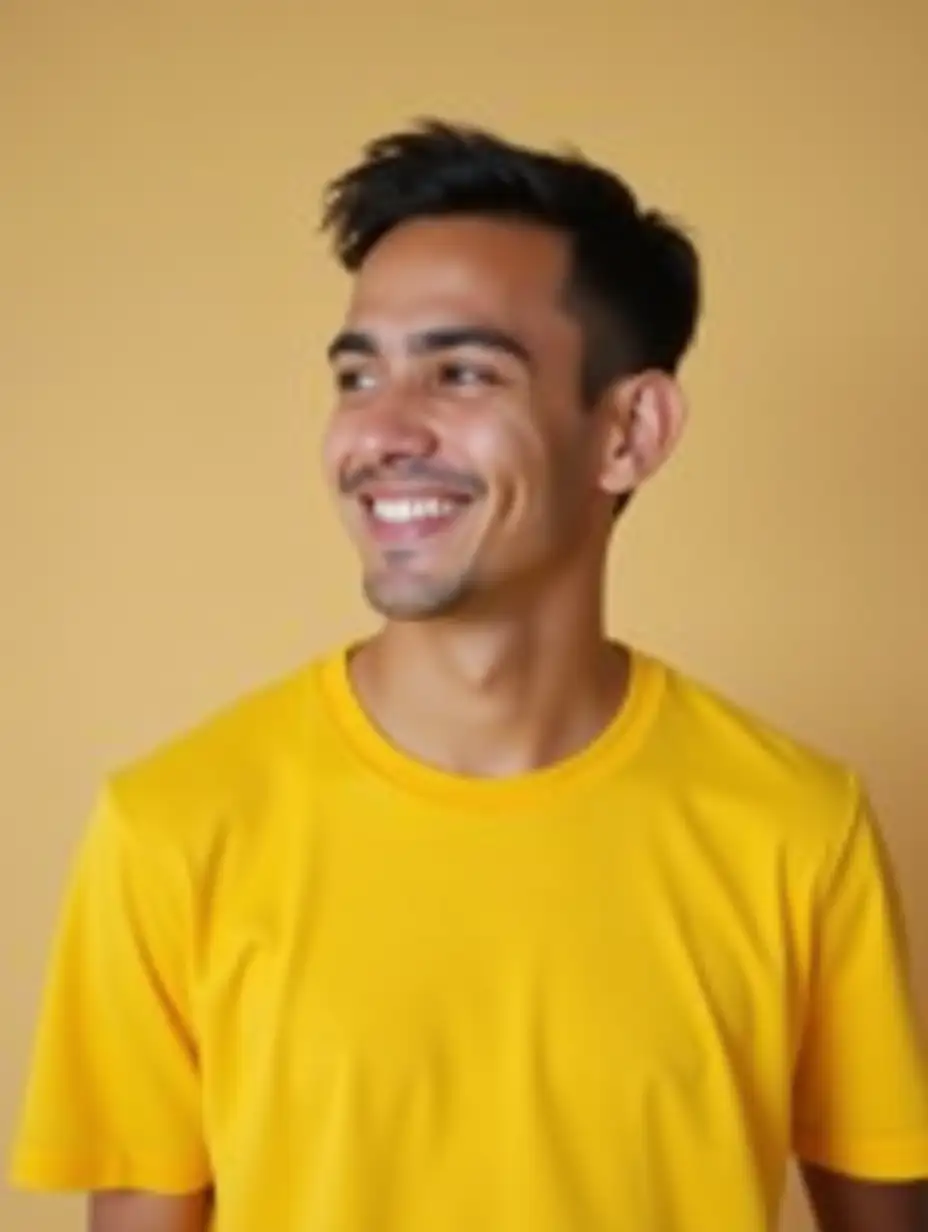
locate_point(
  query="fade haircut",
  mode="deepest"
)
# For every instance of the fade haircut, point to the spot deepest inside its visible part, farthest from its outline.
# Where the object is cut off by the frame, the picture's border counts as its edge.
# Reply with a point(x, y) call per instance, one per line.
point(634, 283)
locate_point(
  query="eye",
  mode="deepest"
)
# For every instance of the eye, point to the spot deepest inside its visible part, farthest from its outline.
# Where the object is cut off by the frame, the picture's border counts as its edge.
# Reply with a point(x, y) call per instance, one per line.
point(353, 380)
point(461, 372)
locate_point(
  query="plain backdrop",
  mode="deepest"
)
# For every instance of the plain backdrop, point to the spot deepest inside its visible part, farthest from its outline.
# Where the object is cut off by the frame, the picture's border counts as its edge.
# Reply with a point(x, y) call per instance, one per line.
point(165, 298)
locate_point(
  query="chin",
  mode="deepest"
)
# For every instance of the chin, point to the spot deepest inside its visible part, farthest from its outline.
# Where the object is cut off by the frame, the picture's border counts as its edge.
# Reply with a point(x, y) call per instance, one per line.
point(418, 599)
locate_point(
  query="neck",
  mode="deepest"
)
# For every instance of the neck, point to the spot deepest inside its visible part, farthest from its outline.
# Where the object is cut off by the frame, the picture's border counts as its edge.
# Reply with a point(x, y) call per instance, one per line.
point(494, 697)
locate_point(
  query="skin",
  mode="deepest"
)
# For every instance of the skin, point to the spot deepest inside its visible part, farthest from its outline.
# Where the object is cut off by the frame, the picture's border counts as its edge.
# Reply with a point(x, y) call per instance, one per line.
point(458, 374)
point(142, 1212)
point(844, 1204)
point(502, 614)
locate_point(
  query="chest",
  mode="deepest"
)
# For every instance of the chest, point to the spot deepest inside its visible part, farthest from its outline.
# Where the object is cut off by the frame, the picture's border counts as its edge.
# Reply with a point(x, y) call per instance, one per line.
point(577, 964)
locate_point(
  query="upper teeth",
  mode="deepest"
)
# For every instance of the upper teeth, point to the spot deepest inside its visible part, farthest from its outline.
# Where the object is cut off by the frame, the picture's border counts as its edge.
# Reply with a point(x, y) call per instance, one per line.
point(410, 510)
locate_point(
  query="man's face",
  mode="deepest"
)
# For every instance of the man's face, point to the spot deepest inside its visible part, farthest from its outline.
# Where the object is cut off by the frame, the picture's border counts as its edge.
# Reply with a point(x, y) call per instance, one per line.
point(464, 462)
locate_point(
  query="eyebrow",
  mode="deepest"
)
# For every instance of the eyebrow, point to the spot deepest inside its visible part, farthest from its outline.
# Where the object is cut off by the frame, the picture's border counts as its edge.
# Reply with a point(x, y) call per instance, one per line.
point(428, 341)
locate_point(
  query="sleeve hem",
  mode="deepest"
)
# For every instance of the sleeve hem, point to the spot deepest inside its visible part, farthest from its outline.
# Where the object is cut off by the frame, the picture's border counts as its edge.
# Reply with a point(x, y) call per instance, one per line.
point(899, 1158)
point(63, 1172)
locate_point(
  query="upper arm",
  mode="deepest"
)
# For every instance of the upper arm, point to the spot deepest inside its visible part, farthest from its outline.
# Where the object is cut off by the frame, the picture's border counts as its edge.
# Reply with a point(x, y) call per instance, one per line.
point(861, 1082)
point(113, 1099)
point(119, 1211)
point(844, 1204)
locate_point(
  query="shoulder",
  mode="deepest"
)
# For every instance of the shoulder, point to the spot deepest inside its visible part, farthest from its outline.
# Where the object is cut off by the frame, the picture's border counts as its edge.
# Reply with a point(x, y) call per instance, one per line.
point(769, 783)
point(236, 763)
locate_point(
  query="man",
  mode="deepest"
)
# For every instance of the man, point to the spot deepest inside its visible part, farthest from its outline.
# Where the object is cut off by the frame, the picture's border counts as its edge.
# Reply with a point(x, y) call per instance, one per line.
point(488, 921)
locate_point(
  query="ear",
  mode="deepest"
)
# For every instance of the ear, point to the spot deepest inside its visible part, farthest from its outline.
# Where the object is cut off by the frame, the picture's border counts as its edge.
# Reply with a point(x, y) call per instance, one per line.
point(645, 415)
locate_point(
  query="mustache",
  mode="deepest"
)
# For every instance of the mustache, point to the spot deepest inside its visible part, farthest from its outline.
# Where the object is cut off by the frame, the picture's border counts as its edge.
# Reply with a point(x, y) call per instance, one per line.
point(417, 470)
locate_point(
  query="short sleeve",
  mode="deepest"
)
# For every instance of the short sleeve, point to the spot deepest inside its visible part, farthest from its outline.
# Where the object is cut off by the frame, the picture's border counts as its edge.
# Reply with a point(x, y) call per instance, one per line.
point(861, 1090)
point(113, 1097)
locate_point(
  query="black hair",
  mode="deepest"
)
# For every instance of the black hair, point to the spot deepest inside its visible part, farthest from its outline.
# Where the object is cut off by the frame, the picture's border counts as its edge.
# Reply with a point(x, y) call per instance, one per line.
point(635, 282)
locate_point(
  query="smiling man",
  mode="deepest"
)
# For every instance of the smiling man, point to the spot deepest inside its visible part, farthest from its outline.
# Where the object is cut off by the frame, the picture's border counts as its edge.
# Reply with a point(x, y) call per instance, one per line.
point(488, 921)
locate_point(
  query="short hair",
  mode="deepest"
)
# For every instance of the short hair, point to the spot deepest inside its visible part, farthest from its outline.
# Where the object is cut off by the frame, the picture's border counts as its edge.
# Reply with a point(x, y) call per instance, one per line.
point(635, 276)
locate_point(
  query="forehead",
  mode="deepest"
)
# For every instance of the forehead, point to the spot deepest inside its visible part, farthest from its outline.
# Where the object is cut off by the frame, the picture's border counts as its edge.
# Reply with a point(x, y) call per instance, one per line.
point(463, 268)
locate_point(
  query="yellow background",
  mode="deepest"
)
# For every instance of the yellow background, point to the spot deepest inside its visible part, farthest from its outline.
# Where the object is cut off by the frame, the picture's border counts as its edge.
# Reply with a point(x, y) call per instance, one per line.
point(165, 540)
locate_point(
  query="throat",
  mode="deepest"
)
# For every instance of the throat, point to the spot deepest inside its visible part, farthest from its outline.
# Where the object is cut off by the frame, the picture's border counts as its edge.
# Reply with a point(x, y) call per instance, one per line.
point(493, 722)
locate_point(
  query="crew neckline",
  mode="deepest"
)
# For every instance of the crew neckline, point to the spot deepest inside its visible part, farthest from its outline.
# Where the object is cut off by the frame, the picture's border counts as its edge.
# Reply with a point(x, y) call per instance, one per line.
point(614, 745)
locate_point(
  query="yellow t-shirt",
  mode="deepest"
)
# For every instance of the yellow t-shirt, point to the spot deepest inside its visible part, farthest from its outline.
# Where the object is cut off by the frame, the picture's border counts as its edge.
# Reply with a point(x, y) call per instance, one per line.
point(358, 994)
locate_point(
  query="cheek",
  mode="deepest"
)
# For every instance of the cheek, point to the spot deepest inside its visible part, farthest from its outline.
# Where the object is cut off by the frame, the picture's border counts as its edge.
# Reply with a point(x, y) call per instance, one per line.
point(508, 450)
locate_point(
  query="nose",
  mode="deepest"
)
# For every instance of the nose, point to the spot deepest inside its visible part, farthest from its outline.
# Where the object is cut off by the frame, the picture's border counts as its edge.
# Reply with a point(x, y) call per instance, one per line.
point(395, 428)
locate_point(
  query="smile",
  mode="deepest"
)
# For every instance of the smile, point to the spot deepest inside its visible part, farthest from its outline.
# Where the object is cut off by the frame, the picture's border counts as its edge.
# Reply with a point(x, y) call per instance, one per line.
point(409, 519)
